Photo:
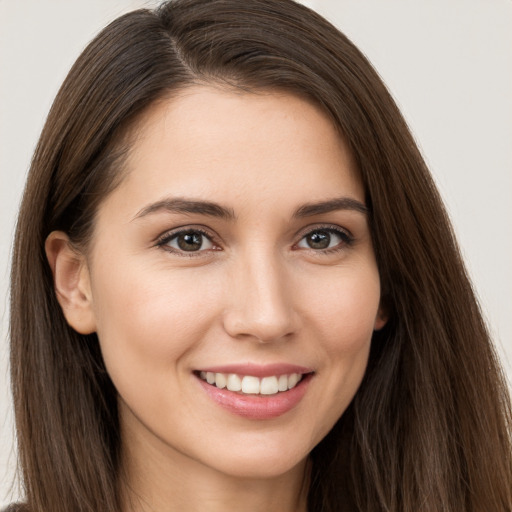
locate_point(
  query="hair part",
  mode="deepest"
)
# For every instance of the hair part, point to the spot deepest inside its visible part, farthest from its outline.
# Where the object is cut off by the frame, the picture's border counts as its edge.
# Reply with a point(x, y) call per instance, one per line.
point(429, 428)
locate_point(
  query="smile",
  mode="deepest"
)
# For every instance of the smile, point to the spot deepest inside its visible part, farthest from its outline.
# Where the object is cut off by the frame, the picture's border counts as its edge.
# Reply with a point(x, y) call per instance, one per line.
point(256, 392)
point(251, 385)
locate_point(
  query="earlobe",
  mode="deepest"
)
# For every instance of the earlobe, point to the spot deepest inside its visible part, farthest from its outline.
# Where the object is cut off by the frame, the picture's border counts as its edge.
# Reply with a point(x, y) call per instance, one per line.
point(71, 282)
point(381, 319)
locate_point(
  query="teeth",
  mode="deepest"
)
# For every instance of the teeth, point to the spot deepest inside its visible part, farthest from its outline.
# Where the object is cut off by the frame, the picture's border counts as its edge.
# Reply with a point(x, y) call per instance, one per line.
point(220, 380)
point(269, 386)
point(234, 382)
point(252, 385)
point(282, 384)
point(292, 380)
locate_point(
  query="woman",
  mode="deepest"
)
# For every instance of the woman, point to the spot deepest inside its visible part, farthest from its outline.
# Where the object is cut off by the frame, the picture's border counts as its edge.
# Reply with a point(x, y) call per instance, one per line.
point(234, 283)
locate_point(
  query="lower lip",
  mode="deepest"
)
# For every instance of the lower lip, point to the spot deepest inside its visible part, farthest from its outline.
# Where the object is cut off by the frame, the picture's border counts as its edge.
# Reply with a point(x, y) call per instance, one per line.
point(258, 407)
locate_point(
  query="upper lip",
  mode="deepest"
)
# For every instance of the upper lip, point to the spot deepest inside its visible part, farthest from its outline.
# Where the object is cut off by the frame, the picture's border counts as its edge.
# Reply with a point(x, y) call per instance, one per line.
point(258, 370)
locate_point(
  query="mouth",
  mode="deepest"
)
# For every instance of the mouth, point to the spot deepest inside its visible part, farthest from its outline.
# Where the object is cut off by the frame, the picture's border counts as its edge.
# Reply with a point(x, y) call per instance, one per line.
point(254, 392)
point(250, 384)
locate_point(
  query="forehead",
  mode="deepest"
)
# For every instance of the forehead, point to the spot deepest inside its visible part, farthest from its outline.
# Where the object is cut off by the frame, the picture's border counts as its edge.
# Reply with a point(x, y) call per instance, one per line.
point(219, 143)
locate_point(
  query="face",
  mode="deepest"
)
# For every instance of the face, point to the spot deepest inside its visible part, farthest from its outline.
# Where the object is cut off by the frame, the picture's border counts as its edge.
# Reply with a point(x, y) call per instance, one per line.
point(234, 254)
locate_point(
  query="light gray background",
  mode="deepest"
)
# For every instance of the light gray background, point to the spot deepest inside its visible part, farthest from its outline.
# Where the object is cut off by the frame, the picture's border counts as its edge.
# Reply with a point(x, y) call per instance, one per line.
point(448, 63)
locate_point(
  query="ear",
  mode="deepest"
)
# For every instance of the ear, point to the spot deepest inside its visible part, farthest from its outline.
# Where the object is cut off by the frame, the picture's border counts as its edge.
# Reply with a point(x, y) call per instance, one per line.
point(381, 318)
point(71, 281)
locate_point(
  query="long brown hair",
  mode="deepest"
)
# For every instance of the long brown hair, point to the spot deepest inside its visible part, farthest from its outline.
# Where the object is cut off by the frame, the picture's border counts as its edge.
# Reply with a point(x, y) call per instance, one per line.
point(429, 428)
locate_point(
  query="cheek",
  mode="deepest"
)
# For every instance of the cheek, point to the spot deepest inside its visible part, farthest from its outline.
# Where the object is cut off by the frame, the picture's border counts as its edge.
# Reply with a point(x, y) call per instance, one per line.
point(344, 309)
point(343, 319)
point(147, 320)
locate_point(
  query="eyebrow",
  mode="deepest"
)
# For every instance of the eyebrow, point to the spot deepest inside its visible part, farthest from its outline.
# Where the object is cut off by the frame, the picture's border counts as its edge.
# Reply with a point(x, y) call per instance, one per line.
point(182, 205)
point(211, 209)
point(331, 205)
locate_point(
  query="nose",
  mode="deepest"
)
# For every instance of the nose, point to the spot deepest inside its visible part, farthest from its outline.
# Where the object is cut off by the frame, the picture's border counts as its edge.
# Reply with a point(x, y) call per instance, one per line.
point(260, 300)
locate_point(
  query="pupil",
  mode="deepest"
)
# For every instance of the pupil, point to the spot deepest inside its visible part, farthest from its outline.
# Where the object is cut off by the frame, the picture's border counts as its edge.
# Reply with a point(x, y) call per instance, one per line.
point(319, 240)
point(190, 241)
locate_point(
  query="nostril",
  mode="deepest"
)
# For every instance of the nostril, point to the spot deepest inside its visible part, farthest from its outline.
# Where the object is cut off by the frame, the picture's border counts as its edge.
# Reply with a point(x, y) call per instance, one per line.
point(259, 333)
point(263, 328)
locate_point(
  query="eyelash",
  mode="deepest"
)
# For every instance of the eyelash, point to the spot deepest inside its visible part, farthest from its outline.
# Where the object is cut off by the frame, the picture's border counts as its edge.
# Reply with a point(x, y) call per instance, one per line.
point(346, 237)
point(166, 238)
point(346, 240)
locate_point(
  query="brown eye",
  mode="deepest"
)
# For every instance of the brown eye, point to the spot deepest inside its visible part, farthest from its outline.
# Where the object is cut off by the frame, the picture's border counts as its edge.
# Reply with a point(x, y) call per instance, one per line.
point(189, 241)
point(318, 240)
point(322, 239)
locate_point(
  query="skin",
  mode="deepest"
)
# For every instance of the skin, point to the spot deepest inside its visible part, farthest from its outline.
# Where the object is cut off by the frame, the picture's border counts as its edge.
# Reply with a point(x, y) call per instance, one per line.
point(255, 291)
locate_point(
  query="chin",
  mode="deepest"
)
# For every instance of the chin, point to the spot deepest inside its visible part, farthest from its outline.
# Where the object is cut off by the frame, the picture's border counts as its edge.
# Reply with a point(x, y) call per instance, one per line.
point(261, 457)
point(258, 468)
